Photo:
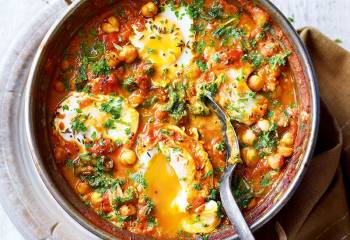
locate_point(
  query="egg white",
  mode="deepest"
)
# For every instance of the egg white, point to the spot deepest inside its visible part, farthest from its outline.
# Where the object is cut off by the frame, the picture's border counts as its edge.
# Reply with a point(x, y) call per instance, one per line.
point(184, 166)
point(234, 92)
point(93, 118)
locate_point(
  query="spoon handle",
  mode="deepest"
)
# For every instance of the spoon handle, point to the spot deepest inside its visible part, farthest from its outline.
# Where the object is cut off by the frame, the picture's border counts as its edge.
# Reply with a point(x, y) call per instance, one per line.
point(233, 212)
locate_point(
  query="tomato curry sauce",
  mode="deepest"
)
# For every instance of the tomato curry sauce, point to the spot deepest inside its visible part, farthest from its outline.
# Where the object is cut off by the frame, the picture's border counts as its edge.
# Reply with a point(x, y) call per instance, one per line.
point(130, 128)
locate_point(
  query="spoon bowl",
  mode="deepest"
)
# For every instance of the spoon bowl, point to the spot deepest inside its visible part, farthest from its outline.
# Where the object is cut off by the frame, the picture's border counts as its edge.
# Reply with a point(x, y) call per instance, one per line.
point(233, 158)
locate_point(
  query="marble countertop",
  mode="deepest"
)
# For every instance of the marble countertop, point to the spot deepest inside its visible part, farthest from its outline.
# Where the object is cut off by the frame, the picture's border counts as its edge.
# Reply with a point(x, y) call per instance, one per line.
point(326, 15)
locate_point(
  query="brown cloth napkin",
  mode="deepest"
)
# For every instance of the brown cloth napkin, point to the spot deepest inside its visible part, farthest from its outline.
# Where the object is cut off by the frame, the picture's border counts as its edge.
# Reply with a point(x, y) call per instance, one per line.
point(319, 208)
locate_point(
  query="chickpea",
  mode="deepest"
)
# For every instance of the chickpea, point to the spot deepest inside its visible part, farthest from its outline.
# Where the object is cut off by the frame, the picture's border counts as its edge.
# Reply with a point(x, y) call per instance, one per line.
point(149, 10)
point(269, 49)
point(112, 58)
point(160, 115)
point(250, 156)
point(59, 86)
point(127, 156)
point(60, 154)
point(64, 65)
point(260, 18)
point(82, 187)
point(248, 137)
point(135, 99)
point(285, 151)
point(112, 25)
point(194, 133)
point(255, 83)
point(192, 71)
point(128, 54)
point(264, 125)
point(276, 161)
point(287, 139)
point(96, 199)
point(127, 210)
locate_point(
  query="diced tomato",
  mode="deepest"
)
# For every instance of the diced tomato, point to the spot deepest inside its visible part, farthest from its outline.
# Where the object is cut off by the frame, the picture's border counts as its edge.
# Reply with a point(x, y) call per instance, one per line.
point(235, 54)
point(144, 84)
point(160, 115)
point(110, 39)
point(102, 147)
point(197, 202)
point(105, 85)
point(106, 204)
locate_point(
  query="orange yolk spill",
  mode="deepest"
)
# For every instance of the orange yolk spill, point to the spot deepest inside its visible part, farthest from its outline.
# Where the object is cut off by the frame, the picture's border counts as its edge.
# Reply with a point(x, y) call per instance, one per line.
point(163, 187)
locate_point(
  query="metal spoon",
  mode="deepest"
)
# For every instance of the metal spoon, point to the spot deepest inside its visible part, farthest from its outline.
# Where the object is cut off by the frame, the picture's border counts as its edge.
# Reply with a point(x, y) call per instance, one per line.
point(233, 158)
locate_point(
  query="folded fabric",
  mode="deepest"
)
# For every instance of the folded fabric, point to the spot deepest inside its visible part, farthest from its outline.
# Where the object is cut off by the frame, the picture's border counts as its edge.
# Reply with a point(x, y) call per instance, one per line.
point(319, 208)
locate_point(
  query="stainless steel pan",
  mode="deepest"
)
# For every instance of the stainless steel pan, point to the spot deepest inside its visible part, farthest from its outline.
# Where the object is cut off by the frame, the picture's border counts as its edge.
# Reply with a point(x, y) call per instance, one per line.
point(37, 126)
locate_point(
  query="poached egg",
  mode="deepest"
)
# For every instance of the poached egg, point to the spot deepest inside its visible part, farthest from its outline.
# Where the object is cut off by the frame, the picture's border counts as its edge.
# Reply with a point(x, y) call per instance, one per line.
point(175, 183)
point(82, 117)
point(166, 42)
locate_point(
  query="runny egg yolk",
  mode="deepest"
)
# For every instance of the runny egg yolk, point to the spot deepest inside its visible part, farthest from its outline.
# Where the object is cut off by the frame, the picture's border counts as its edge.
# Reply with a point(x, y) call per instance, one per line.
point(165, 42)
point(162, 187)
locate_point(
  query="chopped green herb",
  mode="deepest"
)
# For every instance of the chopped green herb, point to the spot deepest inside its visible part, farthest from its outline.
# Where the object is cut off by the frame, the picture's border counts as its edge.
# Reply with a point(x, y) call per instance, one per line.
point(202, 65)
point(194, 9)
point(113, 107)
point(291, 19)
point(118, 142)
point(213, 194)
point(82, 72)
point(200, 46)
point(78, 124)
point(93, 135)
point(216, 58)
point(139, 179)
point(279, 59)
point(265, 181)
point(165, 132)
point(176, 106)
point(197, 186)
point(69, 163)
point(198, 28)
point(208, 174)
point(337, 40)
point(149, 102)
point(130, 84)
point(100, 68)
point(220, 147)
point(255, 58)
point(109, 124)
point(216, 11)
point(118, 47)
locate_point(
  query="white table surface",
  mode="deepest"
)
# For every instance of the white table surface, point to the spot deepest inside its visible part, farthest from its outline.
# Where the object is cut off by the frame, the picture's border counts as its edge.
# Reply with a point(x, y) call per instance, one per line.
point(330, 16)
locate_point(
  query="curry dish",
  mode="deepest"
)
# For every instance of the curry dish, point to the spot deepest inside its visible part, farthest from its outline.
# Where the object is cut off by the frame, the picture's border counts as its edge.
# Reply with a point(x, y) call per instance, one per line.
point(130, 127)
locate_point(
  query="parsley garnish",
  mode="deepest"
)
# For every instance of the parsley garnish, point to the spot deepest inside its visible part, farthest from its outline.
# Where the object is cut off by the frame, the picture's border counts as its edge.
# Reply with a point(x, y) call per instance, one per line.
point(176, 106)
point(100, 68)
point(220, 147)
point(194, 9)
point(112, 107)
point(78, 124)
point(202, 65)
point(130, 84)
point(197, 186)
point(109, 123)
point(139, 179)
point(200, 46)
point(279, 59)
